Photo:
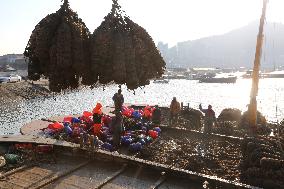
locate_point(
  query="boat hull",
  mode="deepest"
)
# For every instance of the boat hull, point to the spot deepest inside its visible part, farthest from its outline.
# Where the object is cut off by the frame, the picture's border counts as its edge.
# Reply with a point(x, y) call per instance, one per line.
point(273, 76)
point(218, 80)
point(160, 81)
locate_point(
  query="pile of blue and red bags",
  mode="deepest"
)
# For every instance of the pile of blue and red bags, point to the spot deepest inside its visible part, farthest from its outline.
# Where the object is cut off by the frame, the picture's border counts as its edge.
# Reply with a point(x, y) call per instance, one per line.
point(138, 129)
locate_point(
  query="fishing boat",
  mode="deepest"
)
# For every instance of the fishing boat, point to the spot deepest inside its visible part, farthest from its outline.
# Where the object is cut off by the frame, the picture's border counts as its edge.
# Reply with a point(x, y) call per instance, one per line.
point(262, 75)
point(274, 74)
point(161, 81)
point(76, 165)
point(69, 165)
point(247, 75)
point(160, 164)
point(221, 78)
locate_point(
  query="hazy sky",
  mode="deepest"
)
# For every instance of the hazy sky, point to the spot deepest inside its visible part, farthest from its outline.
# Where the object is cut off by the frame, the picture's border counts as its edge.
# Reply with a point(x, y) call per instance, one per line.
point(165, 20)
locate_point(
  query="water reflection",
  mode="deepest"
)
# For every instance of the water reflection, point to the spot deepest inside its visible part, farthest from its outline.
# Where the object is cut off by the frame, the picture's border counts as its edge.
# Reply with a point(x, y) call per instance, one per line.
point(220, 96)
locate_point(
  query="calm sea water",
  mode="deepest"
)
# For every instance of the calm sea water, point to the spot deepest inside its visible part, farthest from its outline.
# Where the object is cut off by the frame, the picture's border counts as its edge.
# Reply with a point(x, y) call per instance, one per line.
point(220, 96)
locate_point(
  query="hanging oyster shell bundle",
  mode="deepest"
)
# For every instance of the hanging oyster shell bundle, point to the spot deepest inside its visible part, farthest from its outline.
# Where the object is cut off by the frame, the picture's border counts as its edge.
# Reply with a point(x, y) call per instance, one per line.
point(121, 51)
point(58, 49)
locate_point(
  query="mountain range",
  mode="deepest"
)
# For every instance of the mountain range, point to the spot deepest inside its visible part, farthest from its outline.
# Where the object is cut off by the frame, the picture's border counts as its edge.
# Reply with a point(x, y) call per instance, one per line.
point(231, 50)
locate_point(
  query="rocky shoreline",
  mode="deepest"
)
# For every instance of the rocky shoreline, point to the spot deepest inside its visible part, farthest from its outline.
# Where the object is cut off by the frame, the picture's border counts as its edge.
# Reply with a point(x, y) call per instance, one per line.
point(25, 90)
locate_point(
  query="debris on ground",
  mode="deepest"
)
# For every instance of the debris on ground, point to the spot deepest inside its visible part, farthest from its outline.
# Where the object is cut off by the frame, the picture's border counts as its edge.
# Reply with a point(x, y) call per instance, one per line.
point(15, 155)
point(263, 161)
point(204, 155)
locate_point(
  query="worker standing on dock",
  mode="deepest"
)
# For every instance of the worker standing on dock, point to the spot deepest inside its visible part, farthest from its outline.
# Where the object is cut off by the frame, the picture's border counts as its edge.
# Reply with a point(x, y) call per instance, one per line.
point(156, 116)
point(174, 110)
point(118, 100)
point(97, 119)
point(210, 118)
point(117, 129)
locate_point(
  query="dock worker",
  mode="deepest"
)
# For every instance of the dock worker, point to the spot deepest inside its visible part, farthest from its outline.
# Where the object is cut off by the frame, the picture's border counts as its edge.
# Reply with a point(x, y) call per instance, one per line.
point(117, 129)
point(156, 115)
point(118, 100)
point(174, 110)
point(210, 118)
point(97, 119)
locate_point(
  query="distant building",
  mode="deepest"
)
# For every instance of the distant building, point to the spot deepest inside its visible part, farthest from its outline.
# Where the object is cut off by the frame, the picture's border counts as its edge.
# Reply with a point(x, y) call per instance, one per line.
point(7, 68)
point(205, 70)
point(11, 58)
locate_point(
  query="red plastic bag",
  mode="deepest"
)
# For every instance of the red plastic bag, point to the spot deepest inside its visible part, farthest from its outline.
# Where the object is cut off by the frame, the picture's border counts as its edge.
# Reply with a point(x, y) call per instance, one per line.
point(131, 110)
point(87, 114)
point(153, 134)
point(56, 126)
point(76, 131)
point(98, 109)
point(68, 119)
point(147, 112)
point(106, 119)
point(97, 129)
point(141, 112)
point(125, 110)
point(86, 119)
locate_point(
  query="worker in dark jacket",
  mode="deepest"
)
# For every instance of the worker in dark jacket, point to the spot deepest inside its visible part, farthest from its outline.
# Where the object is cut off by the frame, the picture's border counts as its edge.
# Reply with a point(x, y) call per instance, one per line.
point(117, 129)
point(210, 118)
point(156, 115)
point(118, 100)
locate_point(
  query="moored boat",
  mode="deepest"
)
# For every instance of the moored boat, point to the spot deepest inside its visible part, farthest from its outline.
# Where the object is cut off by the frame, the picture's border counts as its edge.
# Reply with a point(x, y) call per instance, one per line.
point(161, 81)
point(230, 79)
point(274, 74)
point(68, 166)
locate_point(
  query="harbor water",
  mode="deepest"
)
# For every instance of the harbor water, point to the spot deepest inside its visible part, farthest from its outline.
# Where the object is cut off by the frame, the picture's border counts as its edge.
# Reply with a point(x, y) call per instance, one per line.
point(220, 96)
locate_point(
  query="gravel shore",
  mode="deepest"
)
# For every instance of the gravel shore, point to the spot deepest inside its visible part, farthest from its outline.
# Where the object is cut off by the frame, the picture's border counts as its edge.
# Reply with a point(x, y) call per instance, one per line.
point(24, 90)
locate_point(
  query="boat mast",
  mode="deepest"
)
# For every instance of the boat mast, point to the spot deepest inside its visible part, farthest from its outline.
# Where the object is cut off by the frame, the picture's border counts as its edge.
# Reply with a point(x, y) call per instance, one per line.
point(255, 74)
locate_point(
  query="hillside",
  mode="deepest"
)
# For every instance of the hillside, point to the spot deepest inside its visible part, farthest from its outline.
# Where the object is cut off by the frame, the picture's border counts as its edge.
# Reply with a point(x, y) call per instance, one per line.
point(233, 49)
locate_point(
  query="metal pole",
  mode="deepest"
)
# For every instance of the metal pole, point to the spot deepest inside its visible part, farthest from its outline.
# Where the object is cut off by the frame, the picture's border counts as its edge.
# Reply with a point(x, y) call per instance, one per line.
point(255, 74)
